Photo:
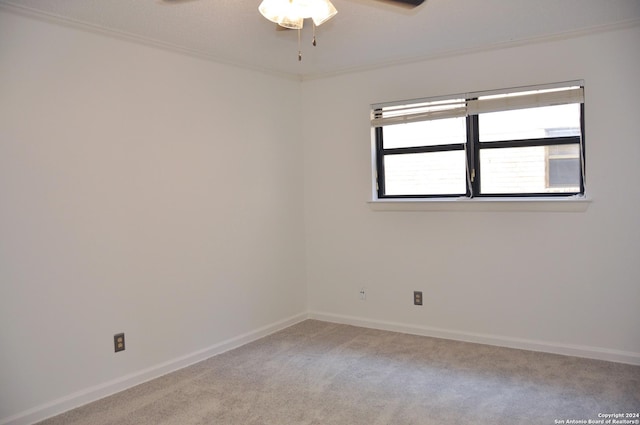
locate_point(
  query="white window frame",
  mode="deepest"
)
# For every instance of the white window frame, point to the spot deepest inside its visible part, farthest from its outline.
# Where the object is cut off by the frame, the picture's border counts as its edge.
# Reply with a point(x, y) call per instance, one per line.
point(451, 106)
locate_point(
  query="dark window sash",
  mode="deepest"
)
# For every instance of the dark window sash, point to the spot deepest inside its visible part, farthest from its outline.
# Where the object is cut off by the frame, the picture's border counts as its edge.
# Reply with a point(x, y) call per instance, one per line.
point(473, 147)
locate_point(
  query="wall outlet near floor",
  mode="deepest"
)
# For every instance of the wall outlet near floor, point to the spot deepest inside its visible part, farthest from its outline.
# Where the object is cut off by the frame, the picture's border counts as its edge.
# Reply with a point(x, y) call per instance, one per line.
point(118, 342)
point(417, 297)
point(363, 294)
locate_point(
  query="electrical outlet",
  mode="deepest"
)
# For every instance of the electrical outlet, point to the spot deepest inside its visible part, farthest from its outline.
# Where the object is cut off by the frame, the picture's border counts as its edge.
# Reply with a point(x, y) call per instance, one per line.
point(363, 294)
point(417, 297)
point(118, 342)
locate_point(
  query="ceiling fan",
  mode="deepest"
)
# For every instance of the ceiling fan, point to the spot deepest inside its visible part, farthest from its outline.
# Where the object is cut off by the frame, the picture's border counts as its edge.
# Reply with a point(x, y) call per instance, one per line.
point(290, 14)
point(407, 3)
point(412, 3)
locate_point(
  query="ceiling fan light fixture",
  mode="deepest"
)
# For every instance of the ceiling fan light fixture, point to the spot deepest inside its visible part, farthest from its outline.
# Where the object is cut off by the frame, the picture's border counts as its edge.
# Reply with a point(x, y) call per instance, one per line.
point(323, 10)
point(292, 13)
point(282, 12)
point(291, 22)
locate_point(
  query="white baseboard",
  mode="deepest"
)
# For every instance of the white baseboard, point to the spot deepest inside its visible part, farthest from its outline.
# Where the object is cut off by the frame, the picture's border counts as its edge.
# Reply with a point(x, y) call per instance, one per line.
point(97, 392)
point(497, 340)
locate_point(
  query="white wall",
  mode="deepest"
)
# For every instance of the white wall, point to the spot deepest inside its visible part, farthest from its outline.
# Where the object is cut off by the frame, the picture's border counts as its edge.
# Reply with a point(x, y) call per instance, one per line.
point(558, 280)
point(152, 193)
point(141, 191)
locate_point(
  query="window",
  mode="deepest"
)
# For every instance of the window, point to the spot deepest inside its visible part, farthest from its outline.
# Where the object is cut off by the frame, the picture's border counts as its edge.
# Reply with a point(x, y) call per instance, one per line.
point(521, 142)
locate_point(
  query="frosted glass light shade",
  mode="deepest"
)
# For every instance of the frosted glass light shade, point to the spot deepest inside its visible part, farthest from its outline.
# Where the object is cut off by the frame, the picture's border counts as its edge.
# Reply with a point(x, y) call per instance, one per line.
point(323, 10)
point(292, 13)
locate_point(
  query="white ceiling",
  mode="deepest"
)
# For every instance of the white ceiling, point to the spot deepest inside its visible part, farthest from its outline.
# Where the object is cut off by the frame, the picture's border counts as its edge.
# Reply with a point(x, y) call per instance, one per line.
point(364, 34)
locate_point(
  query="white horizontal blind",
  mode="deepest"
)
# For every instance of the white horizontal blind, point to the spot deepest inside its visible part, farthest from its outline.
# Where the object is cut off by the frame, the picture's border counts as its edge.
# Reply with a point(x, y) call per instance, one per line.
point(423, 111)
point(525, 100)
point(475, 103)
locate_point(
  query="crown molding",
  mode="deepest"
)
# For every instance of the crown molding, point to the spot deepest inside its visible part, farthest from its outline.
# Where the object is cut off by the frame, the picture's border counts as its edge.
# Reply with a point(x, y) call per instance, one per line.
point(150, 42)
point(583, 32)
point(136, 38)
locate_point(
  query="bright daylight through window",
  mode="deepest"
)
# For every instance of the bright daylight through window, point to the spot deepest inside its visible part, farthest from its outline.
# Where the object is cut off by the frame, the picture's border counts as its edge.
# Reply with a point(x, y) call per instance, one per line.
point(517, 143)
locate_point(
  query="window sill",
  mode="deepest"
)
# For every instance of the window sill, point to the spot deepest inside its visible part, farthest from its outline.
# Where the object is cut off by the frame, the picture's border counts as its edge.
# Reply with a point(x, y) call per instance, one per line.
point(571, 204)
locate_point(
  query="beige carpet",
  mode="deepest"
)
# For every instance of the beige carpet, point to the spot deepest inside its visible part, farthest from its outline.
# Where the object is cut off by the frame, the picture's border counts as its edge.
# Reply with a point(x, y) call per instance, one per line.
point(323, 373)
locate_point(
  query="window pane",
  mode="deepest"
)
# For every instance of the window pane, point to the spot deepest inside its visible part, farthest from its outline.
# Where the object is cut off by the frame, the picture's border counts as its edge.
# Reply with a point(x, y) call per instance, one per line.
point(564, 166)
point(564, 173)
point(532, 123)
point(433, 173)
point(530, 170)
point(425, 133)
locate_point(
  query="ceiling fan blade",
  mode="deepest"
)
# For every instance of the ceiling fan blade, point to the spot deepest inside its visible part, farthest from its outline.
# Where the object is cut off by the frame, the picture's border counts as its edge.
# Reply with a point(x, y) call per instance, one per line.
point(406, 3)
